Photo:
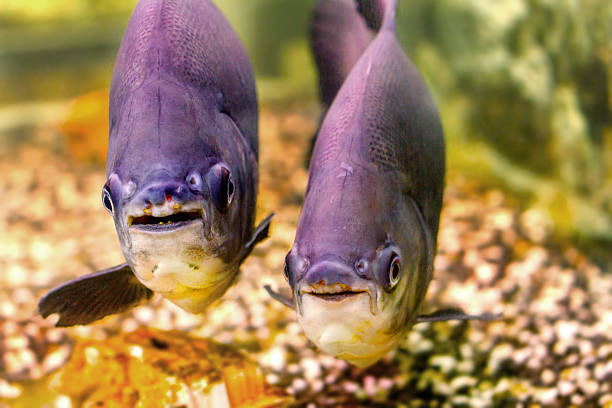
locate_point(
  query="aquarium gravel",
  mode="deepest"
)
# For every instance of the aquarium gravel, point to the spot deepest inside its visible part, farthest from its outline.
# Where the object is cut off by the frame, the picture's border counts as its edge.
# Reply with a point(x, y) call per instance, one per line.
point(553, 346)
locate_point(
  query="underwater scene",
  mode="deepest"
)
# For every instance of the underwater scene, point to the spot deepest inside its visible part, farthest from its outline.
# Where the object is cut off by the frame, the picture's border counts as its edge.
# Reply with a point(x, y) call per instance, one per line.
point(467, 264)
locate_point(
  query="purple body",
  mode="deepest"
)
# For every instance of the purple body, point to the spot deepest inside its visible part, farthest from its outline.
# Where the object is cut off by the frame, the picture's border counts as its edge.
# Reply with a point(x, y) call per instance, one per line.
point(183, 98)
point(363, 252)
point(181, 167)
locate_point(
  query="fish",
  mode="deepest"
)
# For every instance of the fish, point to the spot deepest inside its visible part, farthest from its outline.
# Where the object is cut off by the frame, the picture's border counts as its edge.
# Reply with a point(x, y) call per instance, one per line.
point(181, 170)
point(337, 37)
point(362, 258)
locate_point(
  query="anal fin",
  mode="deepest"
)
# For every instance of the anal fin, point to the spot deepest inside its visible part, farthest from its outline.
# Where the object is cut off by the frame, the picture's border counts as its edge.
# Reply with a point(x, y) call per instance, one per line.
point(94, 296)
point(455, 314)
point(285, 300)
point(260, 233)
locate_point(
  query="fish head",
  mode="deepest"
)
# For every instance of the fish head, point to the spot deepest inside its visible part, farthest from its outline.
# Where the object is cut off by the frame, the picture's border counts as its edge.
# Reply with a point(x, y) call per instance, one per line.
point(358, 270)
point(178, 210)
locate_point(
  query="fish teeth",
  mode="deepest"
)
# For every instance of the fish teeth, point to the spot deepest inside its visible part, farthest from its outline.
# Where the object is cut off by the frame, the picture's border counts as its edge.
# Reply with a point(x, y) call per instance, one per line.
point(164, 210)
point(322, 288)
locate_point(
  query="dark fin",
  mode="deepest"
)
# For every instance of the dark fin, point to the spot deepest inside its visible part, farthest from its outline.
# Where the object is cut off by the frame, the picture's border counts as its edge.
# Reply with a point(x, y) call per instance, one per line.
point(92, 297)
point(260, 233)
point(287, 301)
point(338, 37)
point(455, 314)
point(378, 13)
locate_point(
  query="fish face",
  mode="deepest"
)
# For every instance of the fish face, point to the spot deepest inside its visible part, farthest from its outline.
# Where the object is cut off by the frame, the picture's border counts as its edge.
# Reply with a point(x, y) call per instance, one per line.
point(174, 231)
point(356, 294)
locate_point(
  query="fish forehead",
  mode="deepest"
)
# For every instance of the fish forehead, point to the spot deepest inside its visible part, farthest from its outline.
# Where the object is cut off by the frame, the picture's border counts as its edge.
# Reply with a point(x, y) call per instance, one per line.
point(163, 127)
point(353, 219)
point(191, 42)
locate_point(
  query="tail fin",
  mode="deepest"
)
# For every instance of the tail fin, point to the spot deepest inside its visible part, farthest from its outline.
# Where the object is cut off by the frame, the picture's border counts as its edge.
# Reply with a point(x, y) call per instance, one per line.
point(378, 13)
point(338, 37)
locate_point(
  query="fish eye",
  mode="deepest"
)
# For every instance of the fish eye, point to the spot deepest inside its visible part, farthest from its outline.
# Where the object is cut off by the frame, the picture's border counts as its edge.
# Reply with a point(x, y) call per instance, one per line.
point(107, 201)
point(394, 270)
point(221, 186)
point(388, 267)
point(286, 271)
point(230, 190)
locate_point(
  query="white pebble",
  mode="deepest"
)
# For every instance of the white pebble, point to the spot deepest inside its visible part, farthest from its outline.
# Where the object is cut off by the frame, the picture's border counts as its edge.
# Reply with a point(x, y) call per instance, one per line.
point(548, 396)
point(311, 369)
point(272, 378)
point(566, 387)
point(463, 381)
point(590, 387)
point(350, 387)
point(548, 376)
point(144, 314)
point(369, 385)
point(299, 385)
point(56, 359)
point(446, 363)
point(274, 359)
point(8, 390)
point(62, 402)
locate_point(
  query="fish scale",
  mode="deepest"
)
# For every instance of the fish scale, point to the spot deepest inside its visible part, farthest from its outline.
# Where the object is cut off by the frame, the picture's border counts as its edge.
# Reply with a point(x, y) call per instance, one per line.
point(181, 167)
point(367, 235)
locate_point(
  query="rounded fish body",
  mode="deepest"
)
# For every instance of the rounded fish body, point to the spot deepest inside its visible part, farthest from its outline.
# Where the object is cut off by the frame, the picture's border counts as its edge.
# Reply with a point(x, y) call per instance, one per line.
point(182, 158)
point(181, 167)
point(363, 253)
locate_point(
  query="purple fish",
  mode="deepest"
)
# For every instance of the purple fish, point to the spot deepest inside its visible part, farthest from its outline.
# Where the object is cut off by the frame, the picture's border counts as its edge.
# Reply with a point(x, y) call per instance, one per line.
point(363, 253)
point(181, 167)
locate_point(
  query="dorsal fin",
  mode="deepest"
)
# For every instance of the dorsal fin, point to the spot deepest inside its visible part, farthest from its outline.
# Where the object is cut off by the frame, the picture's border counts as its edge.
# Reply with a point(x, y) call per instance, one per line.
point(338, 36)
point(378, 13)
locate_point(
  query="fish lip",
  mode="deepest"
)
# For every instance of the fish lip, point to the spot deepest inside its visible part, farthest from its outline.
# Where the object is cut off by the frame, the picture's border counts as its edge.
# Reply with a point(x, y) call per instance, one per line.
point(336, 292)
point(176, 220)
point(174, 226)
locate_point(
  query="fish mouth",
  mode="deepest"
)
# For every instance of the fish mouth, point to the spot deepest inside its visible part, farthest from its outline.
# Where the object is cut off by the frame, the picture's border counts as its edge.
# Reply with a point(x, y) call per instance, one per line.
point(170, 222)
point(337, 292)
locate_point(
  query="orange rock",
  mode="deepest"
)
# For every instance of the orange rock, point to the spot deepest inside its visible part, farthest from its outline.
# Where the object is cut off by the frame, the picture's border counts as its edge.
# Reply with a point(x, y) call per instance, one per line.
point(151, 368)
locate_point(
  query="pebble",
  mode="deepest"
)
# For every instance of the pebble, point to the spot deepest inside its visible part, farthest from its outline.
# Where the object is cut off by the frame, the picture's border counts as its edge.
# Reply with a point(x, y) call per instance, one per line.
point(465, 366)
point(350, 387)
point(499, 354)
point(589, 387)
point(9, 391)
point(299, 385)
point(62, 402)
point(311, 368)
point(490, 257)
point(144, 314)
point(462, 382)
point(548, 377)
point(56, 359)
point(566, 387)
point(445, 363)
point(274, 359)
point(603, 371)
point(547, 396)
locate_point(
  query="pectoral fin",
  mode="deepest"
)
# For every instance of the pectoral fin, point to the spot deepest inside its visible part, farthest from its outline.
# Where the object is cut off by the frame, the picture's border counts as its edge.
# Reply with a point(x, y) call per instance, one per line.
point(455, 314)
point(285, 300)
point(91, 297)
point(260, 233)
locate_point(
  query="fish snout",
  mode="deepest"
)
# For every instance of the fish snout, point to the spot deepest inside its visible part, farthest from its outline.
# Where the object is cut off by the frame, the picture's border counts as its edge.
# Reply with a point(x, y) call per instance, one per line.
point(158, 193)
point(328, 278)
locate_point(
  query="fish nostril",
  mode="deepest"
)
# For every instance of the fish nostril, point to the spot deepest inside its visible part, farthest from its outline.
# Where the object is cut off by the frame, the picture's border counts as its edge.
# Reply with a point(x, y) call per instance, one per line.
point(155, 196)
point(194, 181)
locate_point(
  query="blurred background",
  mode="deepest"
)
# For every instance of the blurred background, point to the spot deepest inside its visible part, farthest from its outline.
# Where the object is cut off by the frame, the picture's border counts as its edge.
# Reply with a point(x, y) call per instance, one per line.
point(524, 86)
point(524, 89)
